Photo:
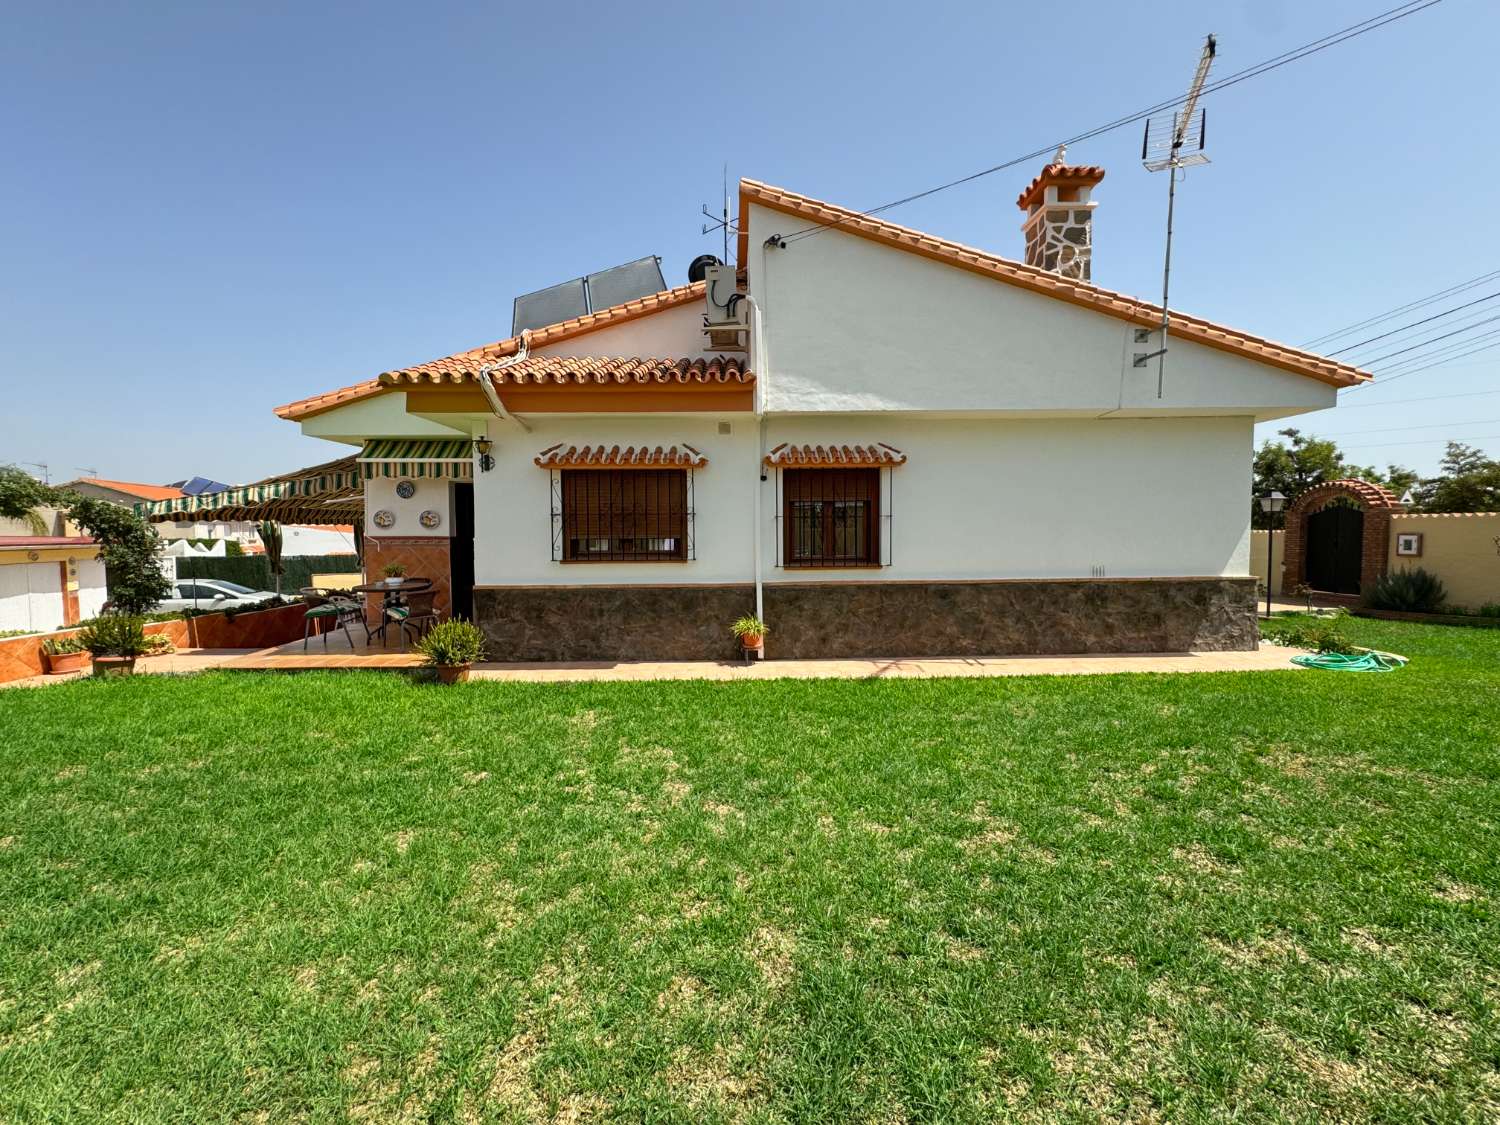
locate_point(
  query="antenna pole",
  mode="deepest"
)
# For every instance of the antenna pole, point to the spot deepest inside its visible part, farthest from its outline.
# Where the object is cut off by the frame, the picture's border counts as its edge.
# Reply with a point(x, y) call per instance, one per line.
point(1166, 281)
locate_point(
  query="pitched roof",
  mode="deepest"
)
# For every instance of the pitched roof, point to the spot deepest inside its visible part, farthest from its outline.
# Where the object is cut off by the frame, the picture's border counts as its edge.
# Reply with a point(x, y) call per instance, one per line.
point(1118, 305)
point(579, 371)
point(563, 456)
point(464, 363)
point(12, 542)
point(130, 488)
point(876, 455)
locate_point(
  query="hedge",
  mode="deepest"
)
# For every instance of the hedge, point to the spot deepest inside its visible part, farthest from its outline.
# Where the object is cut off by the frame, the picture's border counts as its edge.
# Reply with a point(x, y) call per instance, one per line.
point(255, 571)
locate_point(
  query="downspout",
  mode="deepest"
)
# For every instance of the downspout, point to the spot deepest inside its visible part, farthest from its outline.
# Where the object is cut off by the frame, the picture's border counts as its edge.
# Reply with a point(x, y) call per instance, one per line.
point(757, 365)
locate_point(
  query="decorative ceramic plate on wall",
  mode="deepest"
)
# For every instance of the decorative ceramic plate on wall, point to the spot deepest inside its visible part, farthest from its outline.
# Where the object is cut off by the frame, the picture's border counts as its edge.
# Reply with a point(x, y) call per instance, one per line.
point(429, 519)
point(406, 490)
point(383, 518)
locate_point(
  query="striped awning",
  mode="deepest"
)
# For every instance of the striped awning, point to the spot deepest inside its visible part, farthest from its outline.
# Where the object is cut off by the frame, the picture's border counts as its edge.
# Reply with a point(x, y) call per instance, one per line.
point(441, 459)
point(328, 493)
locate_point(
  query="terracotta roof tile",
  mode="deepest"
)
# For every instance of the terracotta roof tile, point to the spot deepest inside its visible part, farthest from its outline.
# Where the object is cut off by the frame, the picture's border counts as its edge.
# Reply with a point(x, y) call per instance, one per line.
point(1041, 281)
point(876, 455)
point(143, 491)
point(1064, 175)
point(579, 371)
point(564, 456)
point(469, 361)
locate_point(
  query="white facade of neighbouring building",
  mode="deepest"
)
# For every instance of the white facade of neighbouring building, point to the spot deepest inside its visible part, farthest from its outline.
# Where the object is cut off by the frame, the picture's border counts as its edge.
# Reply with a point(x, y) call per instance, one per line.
point(909, 447)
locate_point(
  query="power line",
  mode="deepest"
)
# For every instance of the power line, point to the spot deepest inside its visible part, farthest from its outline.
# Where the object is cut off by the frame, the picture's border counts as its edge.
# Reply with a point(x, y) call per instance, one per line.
point(1433, 340)
point(1424, 426)
point(1422, 441)
point(1333, 39)
point(1406, 402)
point(1399, 309)
point(1380, 382)
point(1417, 323)
point(1437, 355)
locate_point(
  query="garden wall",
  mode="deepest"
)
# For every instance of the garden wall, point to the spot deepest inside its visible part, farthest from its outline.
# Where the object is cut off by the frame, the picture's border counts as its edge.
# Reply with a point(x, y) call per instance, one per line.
point(1461, 548)
point(255, 571)
point(21, 657)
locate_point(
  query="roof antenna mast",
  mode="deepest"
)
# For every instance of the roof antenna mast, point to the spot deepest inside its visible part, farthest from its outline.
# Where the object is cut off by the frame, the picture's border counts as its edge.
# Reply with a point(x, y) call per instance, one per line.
point(720, 222)
point(1171, 144)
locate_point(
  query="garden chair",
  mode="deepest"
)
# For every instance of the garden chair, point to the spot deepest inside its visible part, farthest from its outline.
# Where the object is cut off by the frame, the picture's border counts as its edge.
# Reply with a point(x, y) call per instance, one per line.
point(417, 614)
point(333, 608)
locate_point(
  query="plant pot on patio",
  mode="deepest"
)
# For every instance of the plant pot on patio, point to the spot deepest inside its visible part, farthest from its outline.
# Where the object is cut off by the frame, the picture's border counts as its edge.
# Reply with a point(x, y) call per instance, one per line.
point(752, 632)
point(66, 655)
point(451, 647)
point(105, 665)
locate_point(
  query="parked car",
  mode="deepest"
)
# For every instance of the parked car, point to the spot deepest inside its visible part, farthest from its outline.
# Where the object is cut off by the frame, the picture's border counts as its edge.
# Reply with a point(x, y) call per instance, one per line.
point(212, 593)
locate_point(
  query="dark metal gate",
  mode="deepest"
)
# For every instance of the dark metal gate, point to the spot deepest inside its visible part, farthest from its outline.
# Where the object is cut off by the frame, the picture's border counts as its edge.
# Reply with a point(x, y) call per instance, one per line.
point(1335, 546)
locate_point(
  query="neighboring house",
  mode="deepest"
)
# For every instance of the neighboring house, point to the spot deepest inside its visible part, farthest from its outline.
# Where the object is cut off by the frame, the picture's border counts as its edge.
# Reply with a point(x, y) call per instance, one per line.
point(49, 581)
point(323, 539)
point(890, 444)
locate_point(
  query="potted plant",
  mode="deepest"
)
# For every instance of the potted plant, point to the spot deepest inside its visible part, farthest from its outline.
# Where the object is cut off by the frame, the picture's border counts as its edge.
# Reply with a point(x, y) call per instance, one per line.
point(394, 572)
point(751, 631)
point(64, 654)
point(451, 647)
point(115, 640)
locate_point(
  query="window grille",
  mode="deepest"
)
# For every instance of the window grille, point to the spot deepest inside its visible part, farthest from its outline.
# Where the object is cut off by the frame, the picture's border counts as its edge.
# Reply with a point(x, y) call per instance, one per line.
point(833, 518)
point(622, 515)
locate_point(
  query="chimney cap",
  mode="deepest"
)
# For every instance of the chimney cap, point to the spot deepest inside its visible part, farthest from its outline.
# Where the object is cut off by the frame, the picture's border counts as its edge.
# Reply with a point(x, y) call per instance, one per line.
point(1058, 175)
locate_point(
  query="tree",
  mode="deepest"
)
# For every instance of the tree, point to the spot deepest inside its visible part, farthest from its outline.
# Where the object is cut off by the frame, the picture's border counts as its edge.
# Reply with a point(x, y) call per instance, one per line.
point(1300, 463)
point(128, 546)
point(1468, 482)
point(21, 494)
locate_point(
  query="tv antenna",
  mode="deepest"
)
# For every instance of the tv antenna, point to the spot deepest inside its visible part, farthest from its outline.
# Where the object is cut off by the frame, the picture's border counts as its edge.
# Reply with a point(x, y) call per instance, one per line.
point(720, 222)
point(1169, 145)
point(46, 474)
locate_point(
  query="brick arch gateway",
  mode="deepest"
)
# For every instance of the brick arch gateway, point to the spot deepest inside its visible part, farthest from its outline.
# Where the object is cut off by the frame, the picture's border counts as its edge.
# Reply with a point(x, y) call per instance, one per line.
point(1312, 525)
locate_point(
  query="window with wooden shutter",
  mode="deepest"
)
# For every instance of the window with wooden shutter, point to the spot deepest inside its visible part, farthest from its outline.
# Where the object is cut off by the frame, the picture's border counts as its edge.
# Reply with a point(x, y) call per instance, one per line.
point(831, 517)
point(623, 515)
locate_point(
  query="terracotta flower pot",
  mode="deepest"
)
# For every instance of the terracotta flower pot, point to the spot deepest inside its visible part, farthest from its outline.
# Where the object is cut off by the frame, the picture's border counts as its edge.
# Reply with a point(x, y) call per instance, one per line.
point(60, 662)
point(114, 665)
point(753, 642)
point(453, 673)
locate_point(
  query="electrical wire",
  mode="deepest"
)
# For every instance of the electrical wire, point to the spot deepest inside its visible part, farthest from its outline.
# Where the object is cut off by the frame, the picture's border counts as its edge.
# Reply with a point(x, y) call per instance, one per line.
point(1416, 324)
point(1408, 401)
point(1382, 381)
point(1422, 441)
point(1399, 309)
point(1333, 39)
point(1423, 426)
point(1437, 355)
point(1424, 343)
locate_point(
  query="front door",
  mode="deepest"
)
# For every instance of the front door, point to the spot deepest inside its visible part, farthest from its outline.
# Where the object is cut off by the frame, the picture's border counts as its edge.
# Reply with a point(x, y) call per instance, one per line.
point(461, 553)
point(1335, 545)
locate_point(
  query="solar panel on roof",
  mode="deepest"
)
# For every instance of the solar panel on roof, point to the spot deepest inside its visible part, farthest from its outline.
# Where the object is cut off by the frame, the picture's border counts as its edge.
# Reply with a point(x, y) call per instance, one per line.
point(601, 290)
point(619, 284)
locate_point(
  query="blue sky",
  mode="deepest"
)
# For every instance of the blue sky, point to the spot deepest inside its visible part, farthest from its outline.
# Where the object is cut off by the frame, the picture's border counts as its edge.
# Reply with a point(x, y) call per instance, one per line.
point(212, 209)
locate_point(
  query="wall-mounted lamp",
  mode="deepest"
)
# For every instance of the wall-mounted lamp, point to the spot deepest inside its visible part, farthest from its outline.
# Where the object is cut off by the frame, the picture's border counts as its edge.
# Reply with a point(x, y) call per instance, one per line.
point(482, 446)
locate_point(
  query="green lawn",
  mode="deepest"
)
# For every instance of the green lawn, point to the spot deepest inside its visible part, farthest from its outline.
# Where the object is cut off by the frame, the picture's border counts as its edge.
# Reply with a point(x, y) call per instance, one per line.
point(1259, 896)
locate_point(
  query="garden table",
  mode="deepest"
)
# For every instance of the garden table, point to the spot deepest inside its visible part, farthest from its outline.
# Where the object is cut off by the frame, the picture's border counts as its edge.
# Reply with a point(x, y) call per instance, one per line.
point(392, 592)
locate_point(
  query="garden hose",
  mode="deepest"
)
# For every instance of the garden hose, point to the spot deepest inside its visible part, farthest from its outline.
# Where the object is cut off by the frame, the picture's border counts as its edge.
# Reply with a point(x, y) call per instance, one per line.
point(1367, 661)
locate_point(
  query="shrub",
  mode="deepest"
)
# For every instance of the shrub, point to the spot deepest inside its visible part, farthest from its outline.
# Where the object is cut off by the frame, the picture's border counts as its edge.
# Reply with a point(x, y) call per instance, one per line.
point(1490, 609)
point(1321, 634)
point(63, 646)
point(452, 643)
point(394, 570)
point(15, 633)
point(115, 634)
point(1408, 591)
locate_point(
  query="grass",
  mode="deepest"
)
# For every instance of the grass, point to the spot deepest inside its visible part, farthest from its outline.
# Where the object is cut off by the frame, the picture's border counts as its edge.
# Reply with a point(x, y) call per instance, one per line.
point(1263, 896)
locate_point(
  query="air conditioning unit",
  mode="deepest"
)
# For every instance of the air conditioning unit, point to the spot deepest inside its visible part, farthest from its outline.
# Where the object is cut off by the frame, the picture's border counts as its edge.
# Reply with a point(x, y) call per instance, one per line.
point(726, 305)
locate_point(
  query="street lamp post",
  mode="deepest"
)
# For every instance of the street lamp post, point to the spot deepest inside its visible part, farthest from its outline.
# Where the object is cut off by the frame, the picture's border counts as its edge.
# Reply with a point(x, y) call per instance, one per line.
point(1270, 505)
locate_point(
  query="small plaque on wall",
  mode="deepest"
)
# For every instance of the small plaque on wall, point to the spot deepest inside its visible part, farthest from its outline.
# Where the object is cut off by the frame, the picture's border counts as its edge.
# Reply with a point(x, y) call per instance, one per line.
point(1409, 544)
point(406, 490)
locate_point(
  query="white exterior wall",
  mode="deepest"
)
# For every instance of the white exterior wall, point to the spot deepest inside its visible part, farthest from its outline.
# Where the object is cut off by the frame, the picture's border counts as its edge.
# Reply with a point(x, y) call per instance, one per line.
point(671, 334)
point(852, 325)
point(977, 499)
point(380, 494)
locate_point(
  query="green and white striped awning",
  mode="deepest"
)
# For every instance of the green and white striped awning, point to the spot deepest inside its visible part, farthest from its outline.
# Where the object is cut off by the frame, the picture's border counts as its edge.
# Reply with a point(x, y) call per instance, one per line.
point(432, 459)
point(320, 494)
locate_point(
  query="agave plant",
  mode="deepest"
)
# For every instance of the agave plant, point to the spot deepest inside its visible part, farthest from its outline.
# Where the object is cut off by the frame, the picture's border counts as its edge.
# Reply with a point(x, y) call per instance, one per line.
point(1408, 591)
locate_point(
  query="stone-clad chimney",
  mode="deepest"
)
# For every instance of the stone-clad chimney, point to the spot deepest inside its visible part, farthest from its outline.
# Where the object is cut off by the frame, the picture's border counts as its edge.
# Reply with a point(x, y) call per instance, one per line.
point(1059, 223)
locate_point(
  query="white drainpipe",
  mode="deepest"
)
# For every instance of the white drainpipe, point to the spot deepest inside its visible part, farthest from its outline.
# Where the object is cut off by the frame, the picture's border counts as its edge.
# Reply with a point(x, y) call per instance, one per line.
point(757, 365)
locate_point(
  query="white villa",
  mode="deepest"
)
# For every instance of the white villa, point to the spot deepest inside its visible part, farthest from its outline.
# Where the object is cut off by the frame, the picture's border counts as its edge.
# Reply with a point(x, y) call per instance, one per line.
point(885, 443)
